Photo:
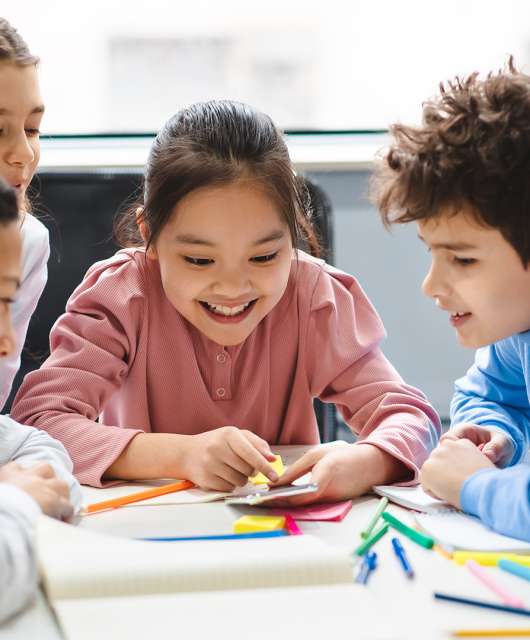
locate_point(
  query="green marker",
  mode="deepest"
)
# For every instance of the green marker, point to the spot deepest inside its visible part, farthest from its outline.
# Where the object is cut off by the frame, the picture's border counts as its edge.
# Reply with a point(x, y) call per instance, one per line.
point(381, 506)
point(412, 534)
point(377, 535)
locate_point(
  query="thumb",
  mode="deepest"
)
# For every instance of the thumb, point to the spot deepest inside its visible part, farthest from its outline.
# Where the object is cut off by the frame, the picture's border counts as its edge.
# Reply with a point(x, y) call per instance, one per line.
point(298, 469)
point(498, 449)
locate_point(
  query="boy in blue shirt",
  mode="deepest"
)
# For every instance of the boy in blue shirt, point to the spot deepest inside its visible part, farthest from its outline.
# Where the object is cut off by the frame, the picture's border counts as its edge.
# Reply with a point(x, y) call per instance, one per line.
point(464, 177)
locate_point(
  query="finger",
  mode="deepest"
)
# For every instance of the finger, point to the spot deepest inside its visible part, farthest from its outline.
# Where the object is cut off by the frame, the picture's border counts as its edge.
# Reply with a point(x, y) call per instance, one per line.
point(215, 483)
point(230, 475)
point(260, 444)
point(59, 487)
point(242, 447)
point(299, 468)
point(497, 449)
point(238, 464)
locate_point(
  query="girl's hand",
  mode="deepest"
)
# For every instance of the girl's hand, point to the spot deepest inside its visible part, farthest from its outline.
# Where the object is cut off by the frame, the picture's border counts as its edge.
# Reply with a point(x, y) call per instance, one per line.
point(40, 482)
point(224, 458)
point(342, 471)
point(495, 445)
point(448, 466)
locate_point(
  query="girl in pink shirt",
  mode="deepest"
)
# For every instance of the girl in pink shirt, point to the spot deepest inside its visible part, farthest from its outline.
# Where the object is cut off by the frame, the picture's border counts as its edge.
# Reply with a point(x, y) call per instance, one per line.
point(187, 353)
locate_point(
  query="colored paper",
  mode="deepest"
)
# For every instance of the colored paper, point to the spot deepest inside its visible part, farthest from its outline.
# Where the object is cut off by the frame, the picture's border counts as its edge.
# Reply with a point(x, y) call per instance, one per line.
point(249, 524)
point(318, 512)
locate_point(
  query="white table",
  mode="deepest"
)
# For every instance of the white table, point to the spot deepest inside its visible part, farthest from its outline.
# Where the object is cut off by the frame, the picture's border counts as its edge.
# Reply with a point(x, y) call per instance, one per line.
point(408, 604)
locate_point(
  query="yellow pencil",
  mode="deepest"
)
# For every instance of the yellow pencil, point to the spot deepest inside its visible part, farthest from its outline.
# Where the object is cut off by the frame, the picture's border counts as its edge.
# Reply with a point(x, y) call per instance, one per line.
point(181, 485)
point(491, 633)
point(487, 558)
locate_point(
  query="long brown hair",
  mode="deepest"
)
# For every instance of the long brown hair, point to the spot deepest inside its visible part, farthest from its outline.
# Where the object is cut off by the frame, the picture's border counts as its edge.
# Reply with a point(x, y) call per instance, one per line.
point(211, 144)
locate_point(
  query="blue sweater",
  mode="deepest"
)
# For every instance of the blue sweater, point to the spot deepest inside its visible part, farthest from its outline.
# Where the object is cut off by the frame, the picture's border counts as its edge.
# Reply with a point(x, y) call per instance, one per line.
point(496, 393)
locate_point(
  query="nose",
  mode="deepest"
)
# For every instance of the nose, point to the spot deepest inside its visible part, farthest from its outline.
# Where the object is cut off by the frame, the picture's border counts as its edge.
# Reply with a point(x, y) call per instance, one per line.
point(20, 152)
point(232, 283)
point(435, 283)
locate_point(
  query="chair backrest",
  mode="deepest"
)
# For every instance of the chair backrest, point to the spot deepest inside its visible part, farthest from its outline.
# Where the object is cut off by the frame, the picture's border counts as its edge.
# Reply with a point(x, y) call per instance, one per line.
point(79, 208)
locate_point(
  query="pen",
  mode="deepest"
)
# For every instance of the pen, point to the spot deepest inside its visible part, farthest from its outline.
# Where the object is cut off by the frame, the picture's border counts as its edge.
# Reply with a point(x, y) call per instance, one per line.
point(485, 578)
point(412, 534)
point(369, 542)
point(481, 603)
point(515, 568)
point(400, 553)
point(277, 533)
point(181, 485)
point(489, 558)
point(368, 565)
point(491, 633)
point(381, 506)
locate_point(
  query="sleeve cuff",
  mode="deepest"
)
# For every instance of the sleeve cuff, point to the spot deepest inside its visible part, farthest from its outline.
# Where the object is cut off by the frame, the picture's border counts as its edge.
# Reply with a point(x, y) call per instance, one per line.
point(472, 489)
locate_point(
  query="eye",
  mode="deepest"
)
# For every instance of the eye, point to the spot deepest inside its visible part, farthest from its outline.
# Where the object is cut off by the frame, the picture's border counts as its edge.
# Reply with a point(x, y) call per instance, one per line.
point(464, 262)
point(263, 259)
point(32, 133)
point(198, 262)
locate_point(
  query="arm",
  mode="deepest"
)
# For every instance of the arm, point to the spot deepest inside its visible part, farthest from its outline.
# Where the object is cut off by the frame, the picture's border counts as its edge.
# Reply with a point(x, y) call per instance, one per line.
point(348, 368)
point(501, 499)
point(91, 345)
point(28, 447)
point(493, 394)
point(18, 566)
point(35, 254)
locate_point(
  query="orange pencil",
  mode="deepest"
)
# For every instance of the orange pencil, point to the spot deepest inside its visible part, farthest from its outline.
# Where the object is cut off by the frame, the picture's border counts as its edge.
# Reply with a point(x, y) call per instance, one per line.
point(181, 485)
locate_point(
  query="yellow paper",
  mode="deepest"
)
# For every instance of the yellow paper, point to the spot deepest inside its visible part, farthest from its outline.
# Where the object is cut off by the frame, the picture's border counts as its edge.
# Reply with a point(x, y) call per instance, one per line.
point(251, 524)
point(277, 465)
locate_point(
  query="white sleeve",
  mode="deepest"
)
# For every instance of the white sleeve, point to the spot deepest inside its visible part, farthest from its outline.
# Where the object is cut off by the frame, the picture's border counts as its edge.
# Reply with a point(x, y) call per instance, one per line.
point(29, 446)
point(35, 254)
point(18, 565)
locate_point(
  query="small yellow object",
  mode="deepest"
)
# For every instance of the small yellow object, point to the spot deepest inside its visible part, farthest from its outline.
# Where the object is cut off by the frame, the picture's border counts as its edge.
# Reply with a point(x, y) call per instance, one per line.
point(260, 478)
point(250, 524)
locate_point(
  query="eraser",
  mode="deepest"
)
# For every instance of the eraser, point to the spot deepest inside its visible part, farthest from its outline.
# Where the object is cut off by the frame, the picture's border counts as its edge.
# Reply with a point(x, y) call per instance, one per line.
point(249, 524)
point(260, 478)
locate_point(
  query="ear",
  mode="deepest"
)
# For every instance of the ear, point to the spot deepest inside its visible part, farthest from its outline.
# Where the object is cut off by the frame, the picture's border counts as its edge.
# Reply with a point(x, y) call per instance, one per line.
point(143, 228)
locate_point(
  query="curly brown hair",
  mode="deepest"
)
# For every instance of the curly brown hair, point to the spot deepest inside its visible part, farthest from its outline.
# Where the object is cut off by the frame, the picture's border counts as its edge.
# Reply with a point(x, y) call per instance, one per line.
point(13, 47)
point(472, 152)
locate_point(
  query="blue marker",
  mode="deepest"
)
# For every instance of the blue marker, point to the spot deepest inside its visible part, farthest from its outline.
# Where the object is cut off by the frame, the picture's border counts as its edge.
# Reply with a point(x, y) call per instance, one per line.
point(368, 565)
point(400, 553)
point(276, 533)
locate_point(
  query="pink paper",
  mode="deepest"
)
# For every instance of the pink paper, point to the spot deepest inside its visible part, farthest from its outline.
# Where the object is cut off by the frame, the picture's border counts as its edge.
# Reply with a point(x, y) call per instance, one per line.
point(322, 512)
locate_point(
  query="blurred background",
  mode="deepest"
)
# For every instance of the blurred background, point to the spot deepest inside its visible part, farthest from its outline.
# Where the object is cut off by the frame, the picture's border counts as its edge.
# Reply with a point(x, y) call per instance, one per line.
point(333, 74)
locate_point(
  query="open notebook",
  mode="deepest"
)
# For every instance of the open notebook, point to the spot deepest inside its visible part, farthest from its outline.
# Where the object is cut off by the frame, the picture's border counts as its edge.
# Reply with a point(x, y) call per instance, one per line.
point(413, 498)
point(93, 580)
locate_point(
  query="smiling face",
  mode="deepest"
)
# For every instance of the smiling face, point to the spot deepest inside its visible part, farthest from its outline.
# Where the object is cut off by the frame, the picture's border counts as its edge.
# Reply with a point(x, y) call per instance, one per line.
point(21, 111)
point(477, 277)
point(10, 253)
point(225, 258)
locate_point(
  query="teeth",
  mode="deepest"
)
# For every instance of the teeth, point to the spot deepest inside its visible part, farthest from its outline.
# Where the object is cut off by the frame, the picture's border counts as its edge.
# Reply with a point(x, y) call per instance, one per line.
point(459, 314)
point(227, 311)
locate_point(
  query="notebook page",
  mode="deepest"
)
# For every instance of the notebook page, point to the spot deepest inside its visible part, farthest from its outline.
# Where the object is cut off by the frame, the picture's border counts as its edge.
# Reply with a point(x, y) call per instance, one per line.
point(412, 498)
point(80, 564)
point(340, 611)
point(461, 531)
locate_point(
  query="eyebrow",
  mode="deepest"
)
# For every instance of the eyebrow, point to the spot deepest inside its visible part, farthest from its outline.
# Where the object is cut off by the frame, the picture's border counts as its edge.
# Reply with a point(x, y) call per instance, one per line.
point(39, 109)
point(450, 246)
point(189, 238)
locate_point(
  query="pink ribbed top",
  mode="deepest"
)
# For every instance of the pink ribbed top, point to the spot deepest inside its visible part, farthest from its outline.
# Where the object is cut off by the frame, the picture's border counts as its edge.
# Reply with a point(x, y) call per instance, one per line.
point(123, 353)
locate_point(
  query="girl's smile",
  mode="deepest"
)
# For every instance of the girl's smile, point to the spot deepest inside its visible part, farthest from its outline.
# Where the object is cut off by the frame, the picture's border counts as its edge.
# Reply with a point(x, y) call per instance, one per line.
point(225, 259)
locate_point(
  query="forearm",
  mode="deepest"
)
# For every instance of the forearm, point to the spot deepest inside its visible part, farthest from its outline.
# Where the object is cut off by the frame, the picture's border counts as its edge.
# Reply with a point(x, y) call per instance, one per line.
point(150, 455)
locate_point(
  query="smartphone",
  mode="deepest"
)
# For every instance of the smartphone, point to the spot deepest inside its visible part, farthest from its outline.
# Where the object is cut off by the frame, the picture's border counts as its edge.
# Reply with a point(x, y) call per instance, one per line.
point(257, 497)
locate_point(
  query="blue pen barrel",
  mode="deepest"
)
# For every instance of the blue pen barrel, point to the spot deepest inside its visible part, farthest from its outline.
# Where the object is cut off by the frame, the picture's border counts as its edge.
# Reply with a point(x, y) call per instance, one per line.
point(402, 557)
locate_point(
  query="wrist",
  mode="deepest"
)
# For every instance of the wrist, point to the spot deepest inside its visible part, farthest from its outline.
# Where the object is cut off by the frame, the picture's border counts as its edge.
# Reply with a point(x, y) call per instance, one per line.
point(381, 467)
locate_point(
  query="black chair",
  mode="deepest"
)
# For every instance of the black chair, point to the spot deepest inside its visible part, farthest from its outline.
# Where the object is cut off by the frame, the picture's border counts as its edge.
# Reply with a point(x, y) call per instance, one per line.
point(78, 208)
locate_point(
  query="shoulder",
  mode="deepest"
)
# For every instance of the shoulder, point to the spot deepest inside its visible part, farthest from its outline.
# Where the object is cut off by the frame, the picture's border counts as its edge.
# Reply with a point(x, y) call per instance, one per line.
point(326, 285)
point(116, 279)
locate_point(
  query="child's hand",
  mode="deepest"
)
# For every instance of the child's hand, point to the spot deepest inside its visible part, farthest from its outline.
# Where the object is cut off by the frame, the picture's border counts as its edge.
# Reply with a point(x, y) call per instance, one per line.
point(452, 461)
point(342, 471)
point(495, 445)
point(225, 458)
point(40, 482)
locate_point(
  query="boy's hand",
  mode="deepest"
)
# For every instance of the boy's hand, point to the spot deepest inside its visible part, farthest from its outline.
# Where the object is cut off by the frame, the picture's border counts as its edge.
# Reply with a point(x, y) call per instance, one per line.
point(342, 471)
point(495, 445)
point(224, 458)
point(448, 466)
point(40, 482)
